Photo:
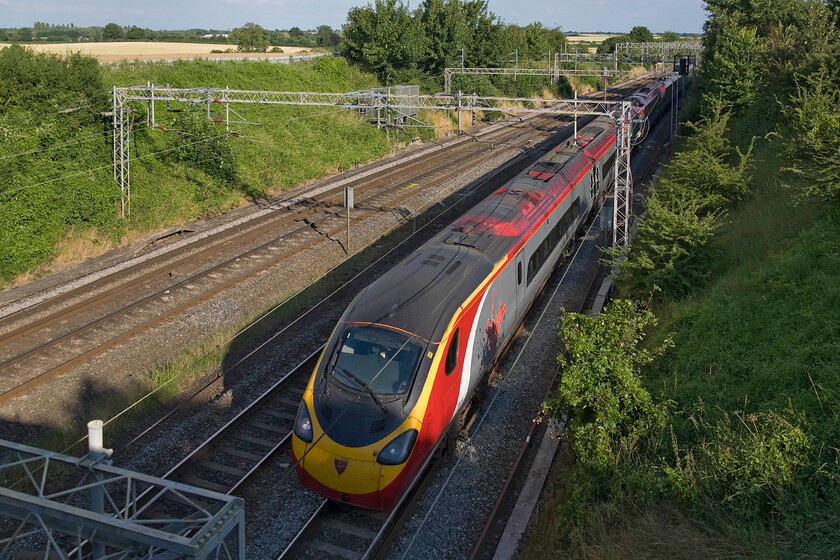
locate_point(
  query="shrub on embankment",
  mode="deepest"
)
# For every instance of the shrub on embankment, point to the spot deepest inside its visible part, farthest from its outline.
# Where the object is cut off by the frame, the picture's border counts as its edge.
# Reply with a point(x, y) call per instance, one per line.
point(733, 450)
point(746, 462)
point(56, 148)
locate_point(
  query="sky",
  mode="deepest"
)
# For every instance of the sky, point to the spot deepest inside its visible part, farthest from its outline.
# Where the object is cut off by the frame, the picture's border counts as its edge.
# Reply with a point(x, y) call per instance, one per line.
point(681, 16)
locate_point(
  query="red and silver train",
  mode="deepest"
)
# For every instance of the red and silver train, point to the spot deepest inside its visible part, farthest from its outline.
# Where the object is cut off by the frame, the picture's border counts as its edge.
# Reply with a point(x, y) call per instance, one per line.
point(649, 104)
point(409, 351)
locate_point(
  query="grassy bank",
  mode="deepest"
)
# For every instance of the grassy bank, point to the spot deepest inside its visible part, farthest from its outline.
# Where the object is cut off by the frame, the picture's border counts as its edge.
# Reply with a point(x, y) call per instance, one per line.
point(748, 464)
point(59, 195)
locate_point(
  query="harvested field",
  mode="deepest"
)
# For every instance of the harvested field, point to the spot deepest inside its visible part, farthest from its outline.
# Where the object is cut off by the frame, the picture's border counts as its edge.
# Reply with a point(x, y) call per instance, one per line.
point(586, 37)
point(147, 50)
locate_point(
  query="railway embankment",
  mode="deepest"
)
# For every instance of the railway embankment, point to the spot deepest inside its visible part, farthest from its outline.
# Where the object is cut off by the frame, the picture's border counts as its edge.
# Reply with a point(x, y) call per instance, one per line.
point(744, 460)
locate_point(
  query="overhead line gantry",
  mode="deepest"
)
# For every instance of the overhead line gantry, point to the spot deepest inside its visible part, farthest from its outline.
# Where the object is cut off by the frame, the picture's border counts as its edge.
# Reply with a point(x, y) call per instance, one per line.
point(380, 101)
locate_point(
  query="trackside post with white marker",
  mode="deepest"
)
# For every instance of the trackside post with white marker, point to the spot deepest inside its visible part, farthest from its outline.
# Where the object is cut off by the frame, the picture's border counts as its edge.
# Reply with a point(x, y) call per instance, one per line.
point(348, 202)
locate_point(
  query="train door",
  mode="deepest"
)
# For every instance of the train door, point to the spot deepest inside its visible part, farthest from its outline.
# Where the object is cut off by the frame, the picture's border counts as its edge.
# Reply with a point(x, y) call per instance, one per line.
point(520, 281)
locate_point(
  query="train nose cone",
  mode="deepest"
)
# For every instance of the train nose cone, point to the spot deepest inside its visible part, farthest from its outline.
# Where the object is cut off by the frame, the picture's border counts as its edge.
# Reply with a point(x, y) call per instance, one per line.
point(342, 472)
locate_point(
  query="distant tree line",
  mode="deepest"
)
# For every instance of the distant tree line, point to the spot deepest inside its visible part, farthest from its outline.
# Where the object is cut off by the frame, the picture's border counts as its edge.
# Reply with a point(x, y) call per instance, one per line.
point(323, 36)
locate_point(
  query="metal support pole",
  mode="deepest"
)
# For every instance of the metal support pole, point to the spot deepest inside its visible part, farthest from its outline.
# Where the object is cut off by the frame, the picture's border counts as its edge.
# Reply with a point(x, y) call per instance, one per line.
point(114, 126)
point(548, 65)
point(675, 108)
point(348, 203)
point(459, 112)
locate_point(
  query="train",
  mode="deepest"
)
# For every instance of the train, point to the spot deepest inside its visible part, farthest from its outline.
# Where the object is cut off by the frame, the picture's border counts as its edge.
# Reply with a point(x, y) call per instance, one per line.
point(649, 104)
point(410, 350)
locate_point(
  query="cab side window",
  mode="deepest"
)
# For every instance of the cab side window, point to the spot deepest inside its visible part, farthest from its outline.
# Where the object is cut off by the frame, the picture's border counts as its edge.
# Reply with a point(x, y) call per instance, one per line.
point(452, 354)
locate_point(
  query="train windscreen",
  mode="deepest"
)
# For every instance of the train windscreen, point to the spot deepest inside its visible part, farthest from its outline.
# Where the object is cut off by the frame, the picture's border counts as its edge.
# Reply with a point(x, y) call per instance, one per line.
point(377, 359)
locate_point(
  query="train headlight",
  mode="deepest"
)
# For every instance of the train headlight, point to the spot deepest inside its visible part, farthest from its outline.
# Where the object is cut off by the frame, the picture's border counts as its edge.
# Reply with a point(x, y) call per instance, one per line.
point(303, 423)
point(399, 448)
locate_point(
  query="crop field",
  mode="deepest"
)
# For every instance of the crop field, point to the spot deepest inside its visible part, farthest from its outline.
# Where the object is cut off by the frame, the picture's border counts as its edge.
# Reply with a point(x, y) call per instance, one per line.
point(588, 37)
point(147, 50)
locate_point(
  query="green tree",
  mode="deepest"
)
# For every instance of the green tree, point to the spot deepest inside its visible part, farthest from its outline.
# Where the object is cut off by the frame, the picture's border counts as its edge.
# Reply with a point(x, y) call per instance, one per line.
point(24, 34)
point(608, 44)
point(670, 37)
point(446, 30)
point(385, 39)
point(298, 38)
point(483, 49)
point(815, 117)
point(732, 76)
point(135, 34)
point(112, 32)
point(250, 38)
point(327, 37)
point(512, 39)
point(640, 34)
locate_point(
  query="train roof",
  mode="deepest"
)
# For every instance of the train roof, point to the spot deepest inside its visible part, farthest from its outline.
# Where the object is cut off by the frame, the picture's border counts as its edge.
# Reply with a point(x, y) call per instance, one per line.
point(422, 293)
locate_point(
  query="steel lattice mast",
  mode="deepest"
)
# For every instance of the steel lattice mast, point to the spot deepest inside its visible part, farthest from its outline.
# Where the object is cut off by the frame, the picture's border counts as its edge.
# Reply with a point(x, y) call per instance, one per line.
point(112, 511)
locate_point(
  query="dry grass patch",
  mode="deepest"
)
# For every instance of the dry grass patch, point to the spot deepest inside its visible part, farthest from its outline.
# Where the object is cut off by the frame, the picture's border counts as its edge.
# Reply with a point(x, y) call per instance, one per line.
point(589, 37)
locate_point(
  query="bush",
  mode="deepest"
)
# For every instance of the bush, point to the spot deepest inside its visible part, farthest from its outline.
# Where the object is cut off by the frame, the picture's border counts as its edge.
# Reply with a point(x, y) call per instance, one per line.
point(742, 465)
point(682, 214)
point(206, 146)
point(609, 409)
point(814, 115)
point(334, 68)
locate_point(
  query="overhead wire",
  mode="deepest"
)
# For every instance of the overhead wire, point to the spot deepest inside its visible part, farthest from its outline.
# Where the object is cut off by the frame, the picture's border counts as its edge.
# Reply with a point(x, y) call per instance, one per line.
point(31, 116)
point(74, 141)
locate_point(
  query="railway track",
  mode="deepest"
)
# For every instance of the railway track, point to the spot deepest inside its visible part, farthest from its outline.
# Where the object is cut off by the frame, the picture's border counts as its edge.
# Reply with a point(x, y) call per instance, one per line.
point(263, 430)
point(47, 339)
point(228, 460)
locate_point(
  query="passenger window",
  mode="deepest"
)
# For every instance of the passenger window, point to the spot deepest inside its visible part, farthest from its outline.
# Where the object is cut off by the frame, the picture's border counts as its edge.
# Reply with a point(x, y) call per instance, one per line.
point(452, 354)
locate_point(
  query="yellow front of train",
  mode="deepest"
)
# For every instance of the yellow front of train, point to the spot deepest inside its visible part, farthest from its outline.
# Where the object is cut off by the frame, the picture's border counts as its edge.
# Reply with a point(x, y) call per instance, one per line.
point(372, 476)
